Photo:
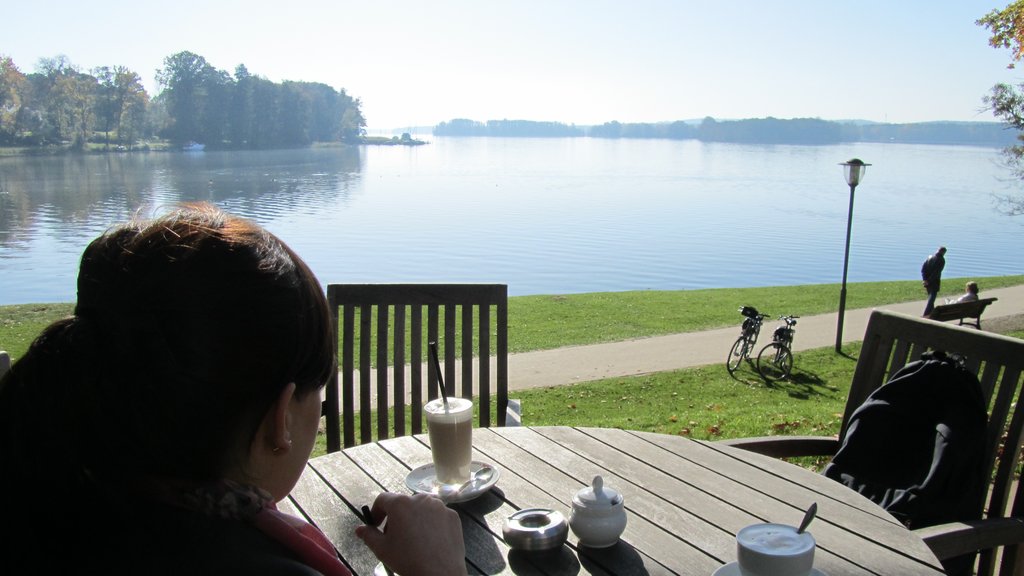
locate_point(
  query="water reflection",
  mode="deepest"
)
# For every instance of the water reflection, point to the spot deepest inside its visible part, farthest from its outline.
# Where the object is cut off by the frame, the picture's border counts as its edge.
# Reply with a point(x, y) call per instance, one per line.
point(51, 206)
point(546, 216)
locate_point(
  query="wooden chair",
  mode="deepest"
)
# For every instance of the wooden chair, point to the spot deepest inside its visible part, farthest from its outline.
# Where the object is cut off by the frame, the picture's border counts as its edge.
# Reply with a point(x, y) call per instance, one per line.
point(891, 341)
point(389, 354)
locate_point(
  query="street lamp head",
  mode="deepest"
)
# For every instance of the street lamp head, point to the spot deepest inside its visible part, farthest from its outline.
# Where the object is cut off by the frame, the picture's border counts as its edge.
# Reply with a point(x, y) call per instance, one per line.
point(855, 169)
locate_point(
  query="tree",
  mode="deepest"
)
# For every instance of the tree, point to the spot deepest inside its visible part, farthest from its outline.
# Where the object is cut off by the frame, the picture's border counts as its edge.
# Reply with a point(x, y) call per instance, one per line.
point(1007, 27)
point(70, 98)
point(12, 88)
point(132, 101)
point(197, 98)
point(106, 101)
point(1007, 102)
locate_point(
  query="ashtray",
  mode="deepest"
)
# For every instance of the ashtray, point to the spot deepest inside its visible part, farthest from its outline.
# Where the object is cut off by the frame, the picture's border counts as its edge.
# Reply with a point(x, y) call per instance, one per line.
point(535, 529)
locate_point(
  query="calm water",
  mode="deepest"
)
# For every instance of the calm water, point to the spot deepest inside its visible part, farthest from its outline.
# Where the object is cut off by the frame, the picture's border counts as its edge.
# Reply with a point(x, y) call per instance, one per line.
point(545, 216)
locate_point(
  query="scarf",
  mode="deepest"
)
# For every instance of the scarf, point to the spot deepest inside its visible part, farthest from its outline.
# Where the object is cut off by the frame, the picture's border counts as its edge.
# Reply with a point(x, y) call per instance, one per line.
point(255, 506)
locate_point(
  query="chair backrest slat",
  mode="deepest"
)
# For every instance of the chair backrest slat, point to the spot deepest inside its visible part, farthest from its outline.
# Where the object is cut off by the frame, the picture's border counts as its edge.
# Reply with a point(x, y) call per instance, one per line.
point(392, 359)
point(893, 340)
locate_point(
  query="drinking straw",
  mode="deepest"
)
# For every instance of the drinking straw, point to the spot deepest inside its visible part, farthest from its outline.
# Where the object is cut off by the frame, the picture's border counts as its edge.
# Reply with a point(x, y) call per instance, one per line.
point(437, 370)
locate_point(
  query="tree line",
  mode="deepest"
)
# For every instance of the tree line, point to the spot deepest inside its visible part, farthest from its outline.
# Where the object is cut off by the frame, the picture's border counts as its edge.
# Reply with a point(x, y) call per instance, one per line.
point(753, 131)
point(60, 104)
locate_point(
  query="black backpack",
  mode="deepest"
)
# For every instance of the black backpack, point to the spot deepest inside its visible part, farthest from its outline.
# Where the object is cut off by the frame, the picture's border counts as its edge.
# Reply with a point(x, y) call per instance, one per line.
point(916, 445)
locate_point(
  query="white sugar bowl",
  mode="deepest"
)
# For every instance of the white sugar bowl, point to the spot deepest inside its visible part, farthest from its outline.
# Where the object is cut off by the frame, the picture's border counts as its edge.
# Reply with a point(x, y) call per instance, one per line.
point(598, 515)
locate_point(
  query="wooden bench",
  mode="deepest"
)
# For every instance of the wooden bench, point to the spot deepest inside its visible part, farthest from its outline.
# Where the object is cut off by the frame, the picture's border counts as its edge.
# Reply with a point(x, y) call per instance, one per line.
point(961, 311)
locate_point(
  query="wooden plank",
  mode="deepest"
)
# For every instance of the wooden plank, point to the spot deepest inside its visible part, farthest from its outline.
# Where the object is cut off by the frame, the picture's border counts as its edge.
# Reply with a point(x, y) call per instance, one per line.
point(466, 345)
point(398, 370)
point(484, 363)
point(416, 366)
point(334, 512)
point(356, 476)
point(383, 320)
point(731, 505)
point(530, 481)
point(482, 517)
point(566, 472)
point(365, 430)
point(348, 372)
point(872, 543)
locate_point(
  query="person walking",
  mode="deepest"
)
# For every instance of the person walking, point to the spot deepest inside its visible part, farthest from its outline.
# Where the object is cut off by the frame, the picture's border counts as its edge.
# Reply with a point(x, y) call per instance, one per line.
point(931, 277)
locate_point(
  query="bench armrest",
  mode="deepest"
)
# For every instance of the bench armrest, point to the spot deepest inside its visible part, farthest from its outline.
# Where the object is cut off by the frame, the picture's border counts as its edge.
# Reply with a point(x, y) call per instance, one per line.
point(787, 446)
point(959, 538)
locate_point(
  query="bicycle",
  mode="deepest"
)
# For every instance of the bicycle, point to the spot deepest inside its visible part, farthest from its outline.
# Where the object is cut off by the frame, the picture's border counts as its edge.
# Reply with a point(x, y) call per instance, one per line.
point(775, 361)
point(744, 345)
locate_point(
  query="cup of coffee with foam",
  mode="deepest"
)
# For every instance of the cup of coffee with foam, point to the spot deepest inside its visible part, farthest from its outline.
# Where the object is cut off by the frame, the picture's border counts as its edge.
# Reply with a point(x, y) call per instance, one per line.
point(774, 550)
point(450, 427)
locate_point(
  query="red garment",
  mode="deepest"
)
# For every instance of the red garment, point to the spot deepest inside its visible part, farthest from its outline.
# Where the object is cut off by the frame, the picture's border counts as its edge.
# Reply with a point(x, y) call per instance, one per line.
point(227, 499)
point(308, 543)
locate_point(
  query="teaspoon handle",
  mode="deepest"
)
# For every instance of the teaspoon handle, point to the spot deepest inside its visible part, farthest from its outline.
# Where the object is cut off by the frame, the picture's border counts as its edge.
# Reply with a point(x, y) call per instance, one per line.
point(808, 516)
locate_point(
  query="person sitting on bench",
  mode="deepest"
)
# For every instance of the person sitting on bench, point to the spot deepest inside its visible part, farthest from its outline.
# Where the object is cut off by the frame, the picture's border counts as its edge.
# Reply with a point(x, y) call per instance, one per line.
point(972, 293)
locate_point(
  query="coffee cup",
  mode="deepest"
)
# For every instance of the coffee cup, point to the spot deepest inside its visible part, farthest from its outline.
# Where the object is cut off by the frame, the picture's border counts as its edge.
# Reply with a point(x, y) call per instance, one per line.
point(774, 550)
point(450, 427)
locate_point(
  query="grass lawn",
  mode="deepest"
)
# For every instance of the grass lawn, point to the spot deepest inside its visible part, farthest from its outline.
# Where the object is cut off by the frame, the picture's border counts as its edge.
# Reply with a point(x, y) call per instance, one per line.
point(704, 402)
point(546, 322)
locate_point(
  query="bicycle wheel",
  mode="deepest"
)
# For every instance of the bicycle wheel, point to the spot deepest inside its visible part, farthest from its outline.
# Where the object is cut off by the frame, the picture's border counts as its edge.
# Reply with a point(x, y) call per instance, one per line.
point(740, 350)
point(775, 362)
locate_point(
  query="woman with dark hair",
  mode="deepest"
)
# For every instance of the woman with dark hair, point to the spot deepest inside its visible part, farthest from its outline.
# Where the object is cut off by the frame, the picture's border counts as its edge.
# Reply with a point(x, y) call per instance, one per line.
point(153, 431)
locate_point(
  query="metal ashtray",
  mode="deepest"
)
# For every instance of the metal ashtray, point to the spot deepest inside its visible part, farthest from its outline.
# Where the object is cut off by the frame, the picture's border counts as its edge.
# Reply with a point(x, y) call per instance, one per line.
point(535, 529)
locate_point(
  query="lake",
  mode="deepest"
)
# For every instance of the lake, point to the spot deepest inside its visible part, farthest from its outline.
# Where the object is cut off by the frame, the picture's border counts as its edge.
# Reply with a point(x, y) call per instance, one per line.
point(545, 216)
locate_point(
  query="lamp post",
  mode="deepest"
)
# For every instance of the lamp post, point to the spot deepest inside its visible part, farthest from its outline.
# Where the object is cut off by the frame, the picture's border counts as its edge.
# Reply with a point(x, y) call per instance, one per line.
point(855, 170)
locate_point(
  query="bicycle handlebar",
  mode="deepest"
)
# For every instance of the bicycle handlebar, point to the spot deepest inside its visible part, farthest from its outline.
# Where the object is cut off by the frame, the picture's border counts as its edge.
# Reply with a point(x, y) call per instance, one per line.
point(758, 315)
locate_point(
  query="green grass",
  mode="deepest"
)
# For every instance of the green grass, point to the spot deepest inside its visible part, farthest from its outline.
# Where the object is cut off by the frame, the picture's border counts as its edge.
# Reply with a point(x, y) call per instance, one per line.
point(546, 322)
point(20, 324)
point(703, 403)
point(706, 402)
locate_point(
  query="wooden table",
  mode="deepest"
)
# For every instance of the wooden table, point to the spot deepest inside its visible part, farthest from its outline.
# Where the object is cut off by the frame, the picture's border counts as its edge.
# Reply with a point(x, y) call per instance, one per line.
point(685, 501)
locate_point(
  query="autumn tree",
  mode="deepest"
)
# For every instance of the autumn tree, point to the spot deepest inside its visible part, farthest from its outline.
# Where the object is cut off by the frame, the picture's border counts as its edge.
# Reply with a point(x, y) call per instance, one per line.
point(1006, 101)
point(12, 86)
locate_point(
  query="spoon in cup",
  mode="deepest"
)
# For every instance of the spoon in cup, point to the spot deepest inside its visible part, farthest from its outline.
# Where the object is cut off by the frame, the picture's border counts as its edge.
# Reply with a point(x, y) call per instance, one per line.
point(449, 492)
point(812, 511)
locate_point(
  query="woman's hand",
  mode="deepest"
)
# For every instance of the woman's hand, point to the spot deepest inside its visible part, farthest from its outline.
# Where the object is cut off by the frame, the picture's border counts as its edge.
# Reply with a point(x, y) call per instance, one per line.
point(420, 536)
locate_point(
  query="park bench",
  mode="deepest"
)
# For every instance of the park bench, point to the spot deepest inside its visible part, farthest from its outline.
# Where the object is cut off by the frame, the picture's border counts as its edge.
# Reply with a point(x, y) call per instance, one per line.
point(961, 311)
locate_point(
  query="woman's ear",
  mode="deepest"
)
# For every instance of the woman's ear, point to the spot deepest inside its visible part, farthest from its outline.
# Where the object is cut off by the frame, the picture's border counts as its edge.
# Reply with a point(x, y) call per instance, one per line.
point(276, 426)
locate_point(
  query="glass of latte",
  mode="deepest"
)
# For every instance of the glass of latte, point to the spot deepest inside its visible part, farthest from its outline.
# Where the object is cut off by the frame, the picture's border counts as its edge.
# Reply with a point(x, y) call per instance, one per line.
point(450, 427)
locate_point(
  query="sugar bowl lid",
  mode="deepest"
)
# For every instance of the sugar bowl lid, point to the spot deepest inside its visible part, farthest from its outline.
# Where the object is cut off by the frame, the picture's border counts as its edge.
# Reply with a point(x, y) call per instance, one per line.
point(596, 496)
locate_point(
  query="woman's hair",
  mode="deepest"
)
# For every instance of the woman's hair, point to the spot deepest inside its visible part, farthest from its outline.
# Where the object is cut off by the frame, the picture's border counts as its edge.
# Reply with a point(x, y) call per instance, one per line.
point(186, 330)
point(972, 287)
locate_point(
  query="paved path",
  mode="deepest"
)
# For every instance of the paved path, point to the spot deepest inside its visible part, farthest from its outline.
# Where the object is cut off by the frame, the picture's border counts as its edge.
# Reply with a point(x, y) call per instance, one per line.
point(661, 353)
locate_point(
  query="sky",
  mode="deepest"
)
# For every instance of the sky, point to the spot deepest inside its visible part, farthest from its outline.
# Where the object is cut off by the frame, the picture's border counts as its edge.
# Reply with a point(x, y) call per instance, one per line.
point(583, 62)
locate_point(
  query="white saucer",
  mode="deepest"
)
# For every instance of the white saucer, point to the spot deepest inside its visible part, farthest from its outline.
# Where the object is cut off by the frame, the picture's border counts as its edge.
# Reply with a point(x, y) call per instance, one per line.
point(733, 569)
point(422, 481)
